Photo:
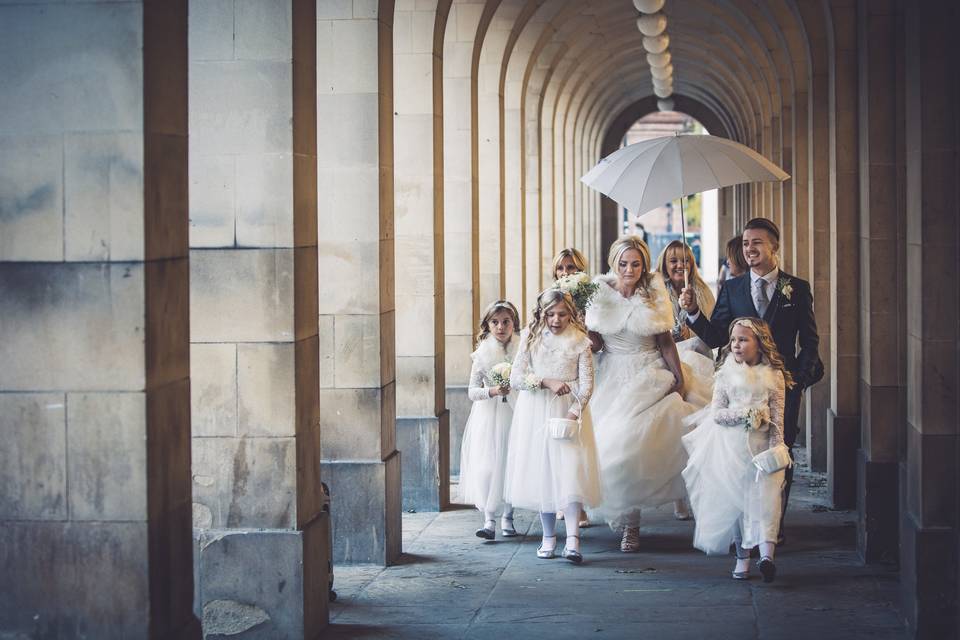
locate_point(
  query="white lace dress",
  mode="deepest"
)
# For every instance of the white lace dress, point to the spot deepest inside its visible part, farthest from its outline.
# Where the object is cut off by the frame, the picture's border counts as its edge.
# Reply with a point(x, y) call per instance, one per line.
point(724, 486)
point(638, 421)
point(483, 452)
point(544, 474)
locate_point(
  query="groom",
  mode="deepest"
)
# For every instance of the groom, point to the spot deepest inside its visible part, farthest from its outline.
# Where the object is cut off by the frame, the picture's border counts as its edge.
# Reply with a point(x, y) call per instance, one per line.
point(785, 303)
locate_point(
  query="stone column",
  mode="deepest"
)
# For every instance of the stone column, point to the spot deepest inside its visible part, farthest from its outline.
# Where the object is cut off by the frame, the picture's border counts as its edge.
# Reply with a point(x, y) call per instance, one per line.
point(928, 473)
point(260, 529)
point(882, 298)
point(356, 259)
point(843, 416)
point(423, 429)
point(94, 386)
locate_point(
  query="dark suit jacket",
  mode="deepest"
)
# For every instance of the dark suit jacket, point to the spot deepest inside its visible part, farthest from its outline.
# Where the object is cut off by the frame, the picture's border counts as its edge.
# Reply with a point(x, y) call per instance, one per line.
point(792, 323)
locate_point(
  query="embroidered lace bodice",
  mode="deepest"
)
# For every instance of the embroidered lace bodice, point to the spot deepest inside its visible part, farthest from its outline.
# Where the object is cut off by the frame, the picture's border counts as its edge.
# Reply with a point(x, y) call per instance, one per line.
point(738, 388)
point(565, 357)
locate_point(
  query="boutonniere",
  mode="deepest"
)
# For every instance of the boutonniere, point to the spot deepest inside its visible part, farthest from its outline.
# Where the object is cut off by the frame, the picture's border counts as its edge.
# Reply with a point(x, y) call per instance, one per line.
point(785, 287)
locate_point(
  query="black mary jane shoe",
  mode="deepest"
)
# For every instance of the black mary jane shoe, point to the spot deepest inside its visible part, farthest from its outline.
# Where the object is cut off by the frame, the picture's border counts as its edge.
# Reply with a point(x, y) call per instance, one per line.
point(486, 534)
point(767, 569)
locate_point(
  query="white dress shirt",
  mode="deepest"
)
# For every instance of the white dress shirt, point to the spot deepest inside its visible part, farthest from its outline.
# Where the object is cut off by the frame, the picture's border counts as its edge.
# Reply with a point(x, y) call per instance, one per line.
point(771, 287)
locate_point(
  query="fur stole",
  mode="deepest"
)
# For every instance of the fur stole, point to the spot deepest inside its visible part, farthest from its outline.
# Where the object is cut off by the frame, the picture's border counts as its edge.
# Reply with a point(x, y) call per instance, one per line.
point(490, 352)
point(757, 379)
point(570, 343)
point(609, 312)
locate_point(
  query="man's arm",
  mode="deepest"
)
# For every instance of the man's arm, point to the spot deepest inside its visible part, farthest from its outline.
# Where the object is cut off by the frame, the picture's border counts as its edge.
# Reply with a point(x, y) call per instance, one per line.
point(713, 331)
point(807, 334)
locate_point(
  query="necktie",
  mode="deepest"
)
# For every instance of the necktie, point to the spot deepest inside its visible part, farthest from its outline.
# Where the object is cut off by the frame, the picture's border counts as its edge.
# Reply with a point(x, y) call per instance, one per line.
point(760, 296)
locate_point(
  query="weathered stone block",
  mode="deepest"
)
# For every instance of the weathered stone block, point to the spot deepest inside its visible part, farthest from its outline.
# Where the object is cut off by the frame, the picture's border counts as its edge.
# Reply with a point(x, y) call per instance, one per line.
point(244, 482)
point(213, 389)
point(70, 326)
point(266, 389)
point(335, 10)
point(457, 361)
point(347, 55)
point(365, 508)
point(350, 423)
point(212, 198)
point(265, 200)
point(458, 405)
point(97, 587)
point(107, 444)
point(49, 84)
point(877, 524)
point(357, 351)
point(424, 444)
point(416, 384)
point(31, 198)
point(263, 29)
point(253, 288)
point(103, 196)
point(211, 30)
point(343, 290)
point(843, 439)
point(33, 456)
point(241, 107)
point(346, 127)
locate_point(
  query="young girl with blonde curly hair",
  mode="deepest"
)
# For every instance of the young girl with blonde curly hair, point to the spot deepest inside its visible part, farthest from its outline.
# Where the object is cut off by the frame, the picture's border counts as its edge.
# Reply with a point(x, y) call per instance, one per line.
point(735, 472)
point(553, 372)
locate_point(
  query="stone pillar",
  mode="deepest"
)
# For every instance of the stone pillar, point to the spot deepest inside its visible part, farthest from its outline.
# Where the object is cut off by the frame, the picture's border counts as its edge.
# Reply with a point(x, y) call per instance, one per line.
point(928, 472)
point(94, 387)
point(260, 528)
point(459, 280)
point(843, 416)
point(356, 259)
point(423, 429)
point(881, 294)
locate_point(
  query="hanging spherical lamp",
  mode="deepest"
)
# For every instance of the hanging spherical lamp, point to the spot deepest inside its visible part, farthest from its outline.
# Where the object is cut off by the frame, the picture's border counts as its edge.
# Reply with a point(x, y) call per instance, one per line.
point(652, 24)
point(648, 6)
point(665, 104)
point(666, 83)
point(658, 59)
point(662, 93)
point(662, 72)
point(656, 44)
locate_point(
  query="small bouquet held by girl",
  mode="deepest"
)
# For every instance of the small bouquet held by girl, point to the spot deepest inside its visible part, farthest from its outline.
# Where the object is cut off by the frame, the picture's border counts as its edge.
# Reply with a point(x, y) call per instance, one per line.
point(552, 455)
point(483, 454)
point(735, 472)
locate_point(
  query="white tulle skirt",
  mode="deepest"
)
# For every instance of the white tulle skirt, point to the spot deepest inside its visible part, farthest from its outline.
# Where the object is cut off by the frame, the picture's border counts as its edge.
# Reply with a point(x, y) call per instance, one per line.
point(483, 454)
point(544, 474)
point(725, 489)
point(639, 426)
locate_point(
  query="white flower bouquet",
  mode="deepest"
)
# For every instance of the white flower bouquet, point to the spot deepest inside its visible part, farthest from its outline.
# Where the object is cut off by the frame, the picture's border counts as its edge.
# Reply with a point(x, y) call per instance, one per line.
point(757, 418)
point(500, 376)
point(580, 288)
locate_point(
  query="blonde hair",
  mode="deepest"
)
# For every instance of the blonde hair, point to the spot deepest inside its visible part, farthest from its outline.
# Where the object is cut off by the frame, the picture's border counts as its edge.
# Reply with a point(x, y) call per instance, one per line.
point(579, 261)
point(768, 348)
point(700, 289)
point(547, 299)
point(623, 243)
point(495, 307)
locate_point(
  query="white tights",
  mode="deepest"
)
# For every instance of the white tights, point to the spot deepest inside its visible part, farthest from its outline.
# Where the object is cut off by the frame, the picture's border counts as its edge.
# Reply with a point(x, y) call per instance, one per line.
point(548, 521)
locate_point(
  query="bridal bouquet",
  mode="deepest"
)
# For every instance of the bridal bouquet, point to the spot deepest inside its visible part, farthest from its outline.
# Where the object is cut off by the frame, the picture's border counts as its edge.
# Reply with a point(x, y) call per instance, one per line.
point(580, 288)
point(756, 418)
point(500, 376)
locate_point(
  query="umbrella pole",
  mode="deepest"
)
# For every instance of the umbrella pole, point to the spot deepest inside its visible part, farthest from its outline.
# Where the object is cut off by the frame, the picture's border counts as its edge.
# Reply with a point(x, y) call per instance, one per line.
point(683, 236)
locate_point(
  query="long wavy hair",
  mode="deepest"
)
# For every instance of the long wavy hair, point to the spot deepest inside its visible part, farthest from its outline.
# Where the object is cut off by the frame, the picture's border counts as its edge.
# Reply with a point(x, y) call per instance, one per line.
point(735, 254)
point(495, 307)
point(624, 243)
point(547, 299)
point(768, 348)
point(579, 261)
point(700, 289)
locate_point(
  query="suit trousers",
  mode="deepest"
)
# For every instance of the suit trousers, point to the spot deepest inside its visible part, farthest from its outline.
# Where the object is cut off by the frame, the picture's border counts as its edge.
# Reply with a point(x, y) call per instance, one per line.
point(791, 419)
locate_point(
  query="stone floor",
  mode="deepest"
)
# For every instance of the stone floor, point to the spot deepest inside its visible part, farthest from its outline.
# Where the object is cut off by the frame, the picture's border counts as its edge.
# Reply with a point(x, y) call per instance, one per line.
point(449, 584)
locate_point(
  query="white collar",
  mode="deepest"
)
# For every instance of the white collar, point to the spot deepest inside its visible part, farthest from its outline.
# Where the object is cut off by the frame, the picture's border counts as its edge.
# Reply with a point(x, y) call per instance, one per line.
point(771, 277)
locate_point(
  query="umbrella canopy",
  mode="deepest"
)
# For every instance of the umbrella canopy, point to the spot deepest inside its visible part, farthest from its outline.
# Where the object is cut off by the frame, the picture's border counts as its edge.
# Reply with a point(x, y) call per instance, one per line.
point(648, 174)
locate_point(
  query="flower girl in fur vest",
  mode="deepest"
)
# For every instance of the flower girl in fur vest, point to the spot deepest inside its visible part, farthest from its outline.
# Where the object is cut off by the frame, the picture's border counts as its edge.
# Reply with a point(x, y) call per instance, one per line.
point(735, 472)
point(483, 454)
point(552, 457)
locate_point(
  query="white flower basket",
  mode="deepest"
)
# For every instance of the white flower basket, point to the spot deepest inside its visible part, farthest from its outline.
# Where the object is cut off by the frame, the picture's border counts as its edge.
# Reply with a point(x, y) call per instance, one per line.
point(564, 428)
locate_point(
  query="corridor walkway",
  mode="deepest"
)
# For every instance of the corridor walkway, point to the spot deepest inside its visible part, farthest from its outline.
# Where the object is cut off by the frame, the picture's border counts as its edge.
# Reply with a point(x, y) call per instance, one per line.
point(450, 585)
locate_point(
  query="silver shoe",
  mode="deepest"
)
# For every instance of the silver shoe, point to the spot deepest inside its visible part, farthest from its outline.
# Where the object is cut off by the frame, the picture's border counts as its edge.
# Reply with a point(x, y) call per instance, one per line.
point(507, 529)
point(572, 555)
point(486, 534)
point(767, 568)
point(547, 554)
point(740, 575)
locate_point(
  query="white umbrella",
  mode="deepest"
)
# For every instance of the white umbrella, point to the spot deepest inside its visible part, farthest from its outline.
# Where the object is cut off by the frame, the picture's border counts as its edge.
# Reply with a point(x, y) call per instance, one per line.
point(648, 174)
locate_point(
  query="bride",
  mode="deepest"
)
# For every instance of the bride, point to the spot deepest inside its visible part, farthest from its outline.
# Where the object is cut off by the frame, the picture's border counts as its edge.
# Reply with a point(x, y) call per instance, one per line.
point(638, 406)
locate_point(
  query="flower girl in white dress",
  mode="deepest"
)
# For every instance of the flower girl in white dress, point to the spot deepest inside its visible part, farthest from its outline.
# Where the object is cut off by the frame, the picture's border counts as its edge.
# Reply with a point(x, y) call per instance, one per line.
point(483, 454)
point(735, 472)
point(545, 471)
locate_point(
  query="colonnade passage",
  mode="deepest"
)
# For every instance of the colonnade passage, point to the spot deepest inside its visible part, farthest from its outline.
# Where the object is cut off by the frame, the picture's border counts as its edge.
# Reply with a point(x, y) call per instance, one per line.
point(245, 244)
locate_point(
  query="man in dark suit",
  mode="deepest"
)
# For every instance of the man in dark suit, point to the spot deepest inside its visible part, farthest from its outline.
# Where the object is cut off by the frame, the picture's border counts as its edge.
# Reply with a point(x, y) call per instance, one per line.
point(785, 302)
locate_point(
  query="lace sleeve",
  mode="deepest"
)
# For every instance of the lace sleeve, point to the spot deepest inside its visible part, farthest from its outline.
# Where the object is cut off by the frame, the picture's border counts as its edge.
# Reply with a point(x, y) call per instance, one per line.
point(721, 413)
point(584, 379)
point(477, 390)
point(521, 376)
point(775, 404)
